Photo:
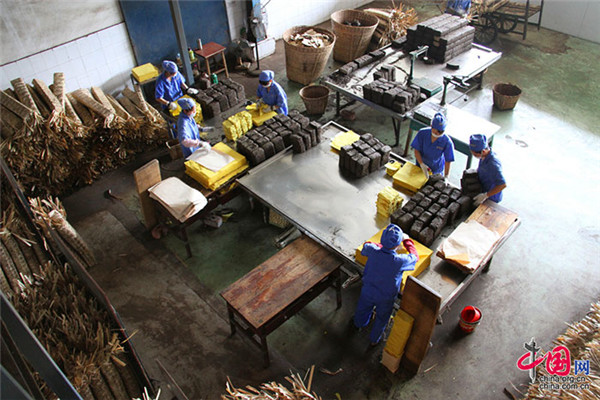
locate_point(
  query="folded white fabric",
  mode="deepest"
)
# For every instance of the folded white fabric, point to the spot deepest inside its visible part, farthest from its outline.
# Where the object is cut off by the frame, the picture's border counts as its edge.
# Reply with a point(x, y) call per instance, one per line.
point(211, 159)
point(181, 200)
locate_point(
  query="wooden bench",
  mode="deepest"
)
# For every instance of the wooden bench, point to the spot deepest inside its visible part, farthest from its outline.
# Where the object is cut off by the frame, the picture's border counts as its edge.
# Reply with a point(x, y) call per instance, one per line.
point(277, 289)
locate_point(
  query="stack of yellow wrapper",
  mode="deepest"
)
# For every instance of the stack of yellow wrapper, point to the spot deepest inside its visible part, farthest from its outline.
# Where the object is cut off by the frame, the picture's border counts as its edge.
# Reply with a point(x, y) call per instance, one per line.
point(260, 115)
point(198, 117)
point(399, 334)
point(409, 177)
point(144, 72)
point(214, 179)
point(236, 125)
point(388, 201)
point(343, 139)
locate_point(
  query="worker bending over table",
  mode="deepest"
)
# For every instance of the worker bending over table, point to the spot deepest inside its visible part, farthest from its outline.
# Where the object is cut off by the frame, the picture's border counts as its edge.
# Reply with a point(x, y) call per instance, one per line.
point(170, 86)
point(271, 93)
point(434, 151)
point(382, 278)
point(489, 170)
point(188, 131)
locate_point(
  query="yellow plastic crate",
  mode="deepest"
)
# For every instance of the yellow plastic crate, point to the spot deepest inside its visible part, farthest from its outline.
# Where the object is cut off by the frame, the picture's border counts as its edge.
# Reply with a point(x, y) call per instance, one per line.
point(343, 139)
point(423, 262)
point(260, 116)
point(213, 179)
point(399, 333)
point(409, 177)
point(144, 72)
point(198, 117)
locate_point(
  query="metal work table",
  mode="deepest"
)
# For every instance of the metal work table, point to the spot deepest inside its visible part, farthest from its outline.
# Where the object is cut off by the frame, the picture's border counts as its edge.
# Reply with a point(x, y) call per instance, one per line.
point(340, 213)
point(472, 65)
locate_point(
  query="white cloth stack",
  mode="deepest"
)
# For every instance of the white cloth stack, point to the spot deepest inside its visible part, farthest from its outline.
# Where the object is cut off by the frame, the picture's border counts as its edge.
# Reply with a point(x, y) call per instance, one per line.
point(181, 200)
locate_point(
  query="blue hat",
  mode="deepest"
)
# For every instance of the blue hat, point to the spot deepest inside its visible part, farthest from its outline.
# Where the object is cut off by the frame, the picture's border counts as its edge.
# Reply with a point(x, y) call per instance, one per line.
point(266, 75)
point(391, 236)
point(185, 103)
point(477, 143)
point(439, 122)
point(169, 66)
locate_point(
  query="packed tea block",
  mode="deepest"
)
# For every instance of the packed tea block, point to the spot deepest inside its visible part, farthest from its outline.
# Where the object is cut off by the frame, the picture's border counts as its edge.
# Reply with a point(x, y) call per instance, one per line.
point(435, 195)
point(409, 205)
point(427, 236)
point(425, 217)
point(453, 211)
point(298, 144)
point(426, 203)
point(388, 201)
point(434, 208)
point(444, 200)
point(465, 204)
point(444, 215)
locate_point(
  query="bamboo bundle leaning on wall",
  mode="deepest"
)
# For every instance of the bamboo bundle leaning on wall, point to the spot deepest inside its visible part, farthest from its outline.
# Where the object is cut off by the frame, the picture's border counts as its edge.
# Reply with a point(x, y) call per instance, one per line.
point(99, 95)
point(82, 112)
point(43, 107)
point(46, 95)
point(119, 109)
point(23, 94)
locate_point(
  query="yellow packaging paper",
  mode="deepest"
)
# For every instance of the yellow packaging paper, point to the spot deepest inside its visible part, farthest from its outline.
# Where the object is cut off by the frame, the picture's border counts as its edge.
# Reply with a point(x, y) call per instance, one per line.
point(399, 333)
point(343, 139)
point(423, 262)
point(198, 117)
point(410, 177)
point(462, 258)
point(390, 362)
point(388, 201)
point(237, 125)
point(392, 167)
point(144, 72)
point(259, 116)
point(213, 179)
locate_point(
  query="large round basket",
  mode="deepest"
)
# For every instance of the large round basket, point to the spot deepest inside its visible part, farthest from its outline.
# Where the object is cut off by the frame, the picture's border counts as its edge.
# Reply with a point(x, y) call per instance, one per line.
point(315, 98)
point(352, 41)
point(305, 64)
point(506, 95)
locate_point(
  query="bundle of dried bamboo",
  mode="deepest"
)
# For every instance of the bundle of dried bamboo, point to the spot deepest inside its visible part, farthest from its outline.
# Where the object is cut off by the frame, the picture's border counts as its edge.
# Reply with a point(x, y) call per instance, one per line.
point(274, 390)
point(583, 341)
point(55, 141)
point(392, 23)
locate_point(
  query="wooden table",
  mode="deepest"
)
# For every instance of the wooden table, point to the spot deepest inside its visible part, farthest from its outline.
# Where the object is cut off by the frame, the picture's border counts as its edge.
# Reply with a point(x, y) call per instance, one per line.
point(212, 49)
point(277, 289)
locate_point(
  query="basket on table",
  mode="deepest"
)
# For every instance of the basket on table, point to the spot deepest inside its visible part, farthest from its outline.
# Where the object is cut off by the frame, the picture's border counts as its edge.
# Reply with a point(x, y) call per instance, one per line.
point(352, 41)
point(315, 98)
point(305, 64)
point(506, 95)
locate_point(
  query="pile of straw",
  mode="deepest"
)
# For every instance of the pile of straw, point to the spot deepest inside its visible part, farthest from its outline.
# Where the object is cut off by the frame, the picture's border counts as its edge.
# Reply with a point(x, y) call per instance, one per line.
point(393, 23)
point(583, 341)
point(274, 390)
point(55, 141)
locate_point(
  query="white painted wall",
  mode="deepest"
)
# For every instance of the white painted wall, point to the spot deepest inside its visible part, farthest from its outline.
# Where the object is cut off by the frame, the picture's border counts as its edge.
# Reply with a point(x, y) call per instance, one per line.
point(578, 18)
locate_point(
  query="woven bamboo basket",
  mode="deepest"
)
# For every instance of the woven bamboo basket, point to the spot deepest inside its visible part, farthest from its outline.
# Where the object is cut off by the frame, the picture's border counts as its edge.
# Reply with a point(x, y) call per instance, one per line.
point(315, 98)
point(305, 64)
point(506, 95)
point(352, 41)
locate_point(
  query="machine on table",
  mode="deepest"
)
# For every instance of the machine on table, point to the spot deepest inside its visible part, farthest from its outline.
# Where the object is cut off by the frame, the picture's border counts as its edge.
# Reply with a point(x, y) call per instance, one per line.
point(430, 77)
point(309, 190)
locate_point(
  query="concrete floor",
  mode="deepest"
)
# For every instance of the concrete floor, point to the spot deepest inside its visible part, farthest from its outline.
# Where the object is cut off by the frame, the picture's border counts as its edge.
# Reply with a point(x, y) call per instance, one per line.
point(544, 276)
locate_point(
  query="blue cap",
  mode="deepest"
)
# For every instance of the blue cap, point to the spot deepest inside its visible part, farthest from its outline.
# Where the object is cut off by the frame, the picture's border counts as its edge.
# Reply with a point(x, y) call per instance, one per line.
point(169, 66)
point(391, 236)
point(477, 143)
point(439, 122)
point(185, 103)
point(266, 75)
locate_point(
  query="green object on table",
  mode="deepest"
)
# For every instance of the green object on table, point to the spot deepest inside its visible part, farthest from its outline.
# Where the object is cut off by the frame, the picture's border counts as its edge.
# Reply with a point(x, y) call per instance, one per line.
point(214, 79)
point(427, 86)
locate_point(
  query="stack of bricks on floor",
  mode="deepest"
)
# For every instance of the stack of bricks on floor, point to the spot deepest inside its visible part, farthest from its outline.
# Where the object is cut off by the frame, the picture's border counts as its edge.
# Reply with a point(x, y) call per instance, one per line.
point(278, 133)
point(361, 61)
point(364, 156)
point(433, 207)
point(220, 97)
point(470, 184)
point(394, 95)
point(446, 35)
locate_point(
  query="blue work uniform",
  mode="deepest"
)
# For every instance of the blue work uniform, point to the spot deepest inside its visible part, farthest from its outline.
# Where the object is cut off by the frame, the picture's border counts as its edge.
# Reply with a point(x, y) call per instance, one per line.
point(458, 7)
point(490, 175)
point(382, 278)
point(434, 154)
point(274, 95)
point(169, 90)
point(187, 128)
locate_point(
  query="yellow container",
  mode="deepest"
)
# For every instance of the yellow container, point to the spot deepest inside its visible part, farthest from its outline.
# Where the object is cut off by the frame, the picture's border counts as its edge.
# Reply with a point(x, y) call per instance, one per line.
point(260, 116)
point(399, 333)
point(423, 262)
point(343, 139)
point(213, 179)
point(144, 72)
point(409, 177)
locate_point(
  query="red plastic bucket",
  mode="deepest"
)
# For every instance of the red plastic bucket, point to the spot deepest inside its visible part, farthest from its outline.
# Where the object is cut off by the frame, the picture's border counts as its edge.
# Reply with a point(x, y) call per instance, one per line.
point(469, 319)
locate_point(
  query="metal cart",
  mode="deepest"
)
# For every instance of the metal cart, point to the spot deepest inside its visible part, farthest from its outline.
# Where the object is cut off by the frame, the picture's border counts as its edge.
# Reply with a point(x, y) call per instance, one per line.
point(492, 16)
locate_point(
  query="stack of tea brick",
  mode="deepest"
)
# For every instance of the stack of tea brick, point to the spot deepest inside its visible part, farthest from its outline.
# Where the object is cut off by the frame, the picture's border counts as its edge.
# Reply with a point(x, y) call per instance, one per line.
point(276, 134)
point(220, 97)
point(446, 35)
point(364, 156)
point(361, 61)
point(470, 184)
point(393, 95)
point(433, 207)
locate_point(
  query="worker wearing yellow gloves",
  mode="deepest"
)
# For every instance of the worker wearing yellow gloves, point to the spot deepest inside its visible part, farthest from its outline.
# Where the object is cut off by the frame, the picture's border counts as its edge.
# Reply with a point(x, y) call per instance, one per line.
point(170, 86)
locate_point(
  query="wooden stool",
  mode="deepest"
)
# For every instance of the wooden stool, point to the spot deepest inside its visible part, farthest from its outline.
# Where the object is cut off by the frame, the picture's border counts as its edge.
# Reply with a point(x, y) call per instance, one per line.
point(210, 50)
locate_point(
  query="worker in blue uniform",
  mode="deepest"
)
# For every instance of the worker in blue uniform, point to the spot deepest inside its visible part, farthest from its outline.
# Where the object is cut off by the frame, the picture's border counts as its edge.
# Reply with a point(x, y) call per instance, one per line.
point(434, 151)
point(489, 170)
point(188, 131)
point(458, 7)
point(271, 92)
point(382, 278)
point(170, 86)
